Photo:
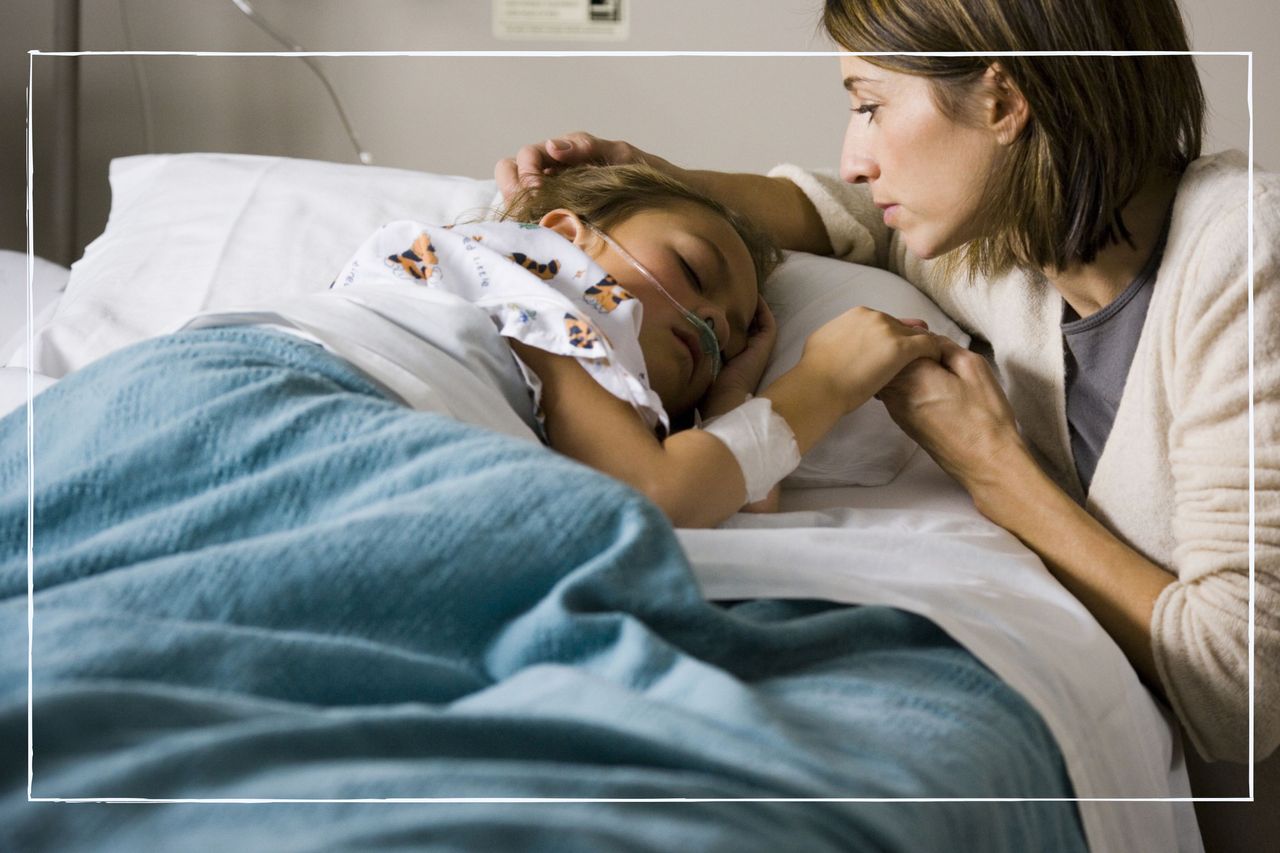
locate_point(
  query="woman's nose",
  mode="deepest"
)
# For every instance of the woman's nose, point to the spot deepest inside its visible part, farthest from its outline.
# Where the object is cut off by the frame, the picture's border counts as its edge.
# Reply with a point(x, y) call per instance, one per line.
point(856, 166)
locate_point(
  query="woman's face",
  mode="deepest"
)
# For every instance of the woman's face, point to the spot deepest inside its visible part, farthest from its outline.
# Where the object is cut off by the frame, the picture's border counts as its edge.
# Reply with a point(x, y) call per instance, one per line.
point(925, 171)
point(700, 260)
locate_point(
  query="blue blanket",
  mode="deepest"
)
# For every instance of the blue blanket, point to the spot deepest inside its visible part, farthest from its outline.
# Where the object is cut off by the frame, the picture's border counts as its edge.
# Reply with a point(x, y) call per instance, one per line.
point(256, 577)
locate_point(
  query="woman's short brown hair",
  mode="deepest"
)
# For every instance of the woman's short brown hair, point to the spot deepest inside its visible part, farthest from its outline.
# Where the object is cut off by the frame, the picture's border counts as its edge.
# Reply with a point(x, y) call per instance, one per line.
point(1099, 126)
point(606, 196)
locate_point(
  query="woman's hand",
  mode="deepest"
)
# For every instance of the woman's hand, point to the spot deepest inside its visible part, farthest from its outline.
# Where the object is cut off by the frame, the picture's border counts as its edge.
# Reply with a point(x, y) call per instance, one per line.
point(959, 414)
point(572, 149)
point(741, 374)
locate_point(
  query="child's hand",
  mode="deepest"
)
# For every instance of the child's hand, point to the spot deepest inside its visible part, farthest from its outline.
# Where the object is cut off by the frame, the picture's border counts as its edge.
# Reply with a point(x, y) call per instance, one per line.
point(858, 352)
point(741, 374)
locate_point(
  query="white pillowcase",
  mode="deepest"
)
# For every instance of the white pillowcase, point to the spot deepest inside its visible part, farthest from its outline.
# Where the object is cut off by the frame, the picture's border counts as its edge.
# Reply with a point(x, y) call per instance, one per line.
point(199, 232)
point(866, 448)
point(47, 281)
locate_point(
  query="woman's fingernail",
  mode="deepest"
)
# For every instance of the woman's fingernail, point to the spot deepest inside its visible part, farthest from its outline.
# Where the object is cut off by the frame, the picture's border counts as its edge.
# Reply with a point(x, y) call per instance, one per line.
point(560, 145)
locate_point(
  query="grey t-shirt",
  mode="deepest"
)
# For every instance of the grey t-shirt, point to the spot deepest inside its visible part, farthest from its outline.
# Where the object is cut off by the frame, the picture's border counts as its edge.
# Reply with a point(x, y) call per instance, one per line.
point(1098, 351)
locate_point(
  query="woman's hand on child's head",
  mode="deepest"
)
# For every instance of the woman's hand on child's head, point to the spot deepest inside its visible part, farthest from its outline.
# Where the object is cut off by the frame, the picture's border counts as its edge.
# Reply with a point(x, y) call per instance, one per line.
point(561, 152)
point(741, 374)
point(858, 352)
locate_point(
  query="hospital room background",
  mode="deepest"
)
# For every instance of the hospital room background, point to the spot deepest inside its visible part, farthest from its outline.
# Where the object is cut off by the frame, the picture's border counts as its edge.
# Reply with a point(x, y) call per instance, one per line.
point(457, 115)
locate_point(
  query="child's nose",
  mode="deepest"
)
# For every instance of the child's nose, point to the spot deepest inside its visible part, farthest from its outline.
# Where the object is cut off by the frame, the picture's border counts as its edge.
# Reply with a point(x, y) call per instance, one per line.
point(718, 319)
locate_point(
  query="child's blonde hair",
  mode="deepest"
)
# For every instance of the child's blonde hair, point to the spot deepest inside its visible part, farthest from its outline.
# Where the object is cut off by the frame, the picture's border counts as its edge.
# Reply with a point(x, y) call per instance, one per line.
point(606, 196)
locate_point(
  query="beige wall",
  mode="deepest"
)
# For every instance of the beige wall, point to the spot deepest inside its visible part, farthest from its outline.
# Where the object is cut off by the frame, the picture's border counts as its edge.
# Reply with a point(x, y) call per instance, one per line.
point(459, 115)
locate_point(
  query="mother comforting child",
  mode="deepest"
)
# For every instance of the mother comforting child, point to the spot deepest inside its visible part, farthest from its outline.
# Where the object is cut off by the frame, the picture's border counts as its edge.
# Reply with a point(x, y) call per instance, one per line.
point(1060, 209)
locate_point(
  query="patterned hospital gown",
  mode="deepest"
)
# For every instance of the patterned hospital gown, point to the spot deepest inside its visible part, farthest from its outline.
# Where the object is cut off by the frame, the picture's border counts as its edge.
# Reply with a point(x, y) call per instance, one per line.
point(536, 286)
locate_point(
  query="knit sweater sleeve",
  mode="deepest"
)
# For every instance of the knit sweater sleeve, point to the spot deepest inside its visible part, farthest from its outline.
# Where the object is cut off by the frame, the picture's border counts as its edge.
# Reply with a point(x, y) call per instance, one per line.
point(1200, 626)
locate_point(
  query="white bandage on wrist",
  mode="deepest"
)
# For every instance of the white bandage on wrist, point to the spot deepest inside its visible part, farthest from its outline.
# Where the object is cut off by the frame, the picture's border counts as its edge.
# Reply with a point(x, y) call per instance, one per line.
point(762, 442)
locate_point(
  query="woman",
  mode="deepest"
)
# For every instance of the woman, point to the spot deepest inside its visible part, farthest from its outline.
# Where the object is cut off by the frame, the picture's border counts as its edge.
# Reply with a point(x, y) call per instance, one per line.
point(1107, 267)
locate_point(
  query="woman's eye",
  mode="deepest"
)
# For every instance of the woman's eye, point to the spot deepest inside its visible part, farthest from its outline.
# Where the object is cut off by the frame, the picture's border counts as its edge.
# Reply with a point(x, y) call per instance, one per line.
point(869, 110)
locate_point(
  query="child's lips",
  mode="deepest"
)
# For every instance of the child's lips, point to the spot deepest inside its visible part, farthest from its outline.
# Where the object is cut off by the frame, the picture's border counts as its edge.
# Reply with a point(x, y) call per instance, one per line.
point(694, 348)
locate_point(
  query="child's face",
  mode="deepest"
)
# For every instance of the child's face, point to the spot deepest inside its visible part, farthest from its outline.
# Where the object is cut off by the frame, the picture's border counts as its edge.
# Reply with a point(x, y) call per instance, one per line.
point(700, 260)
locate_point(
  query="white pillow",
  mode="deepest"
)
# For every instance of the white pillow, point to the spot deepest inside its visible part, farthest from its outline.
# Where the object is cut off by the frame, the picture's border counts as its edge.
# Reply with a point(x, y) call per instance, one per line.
point(866, 448)
point(47, 281)
point(196, 232)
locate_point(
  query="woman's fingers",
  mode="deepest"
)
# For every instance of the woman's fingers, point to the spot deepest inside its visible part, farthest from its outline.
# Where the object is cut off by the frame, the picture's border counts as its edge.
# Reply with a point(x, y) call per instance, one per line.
point(576, 149)
point(968, 365)
point(515, 173)
point(504, 172)
point(531, 162)
point(525, 169)
point(573, 149)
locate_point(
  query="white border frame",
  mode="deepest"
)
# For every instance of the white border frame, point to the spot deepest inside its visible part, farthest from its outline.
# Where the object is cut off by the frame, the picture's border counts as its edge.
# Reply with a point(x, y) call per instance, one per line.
point(608, 53)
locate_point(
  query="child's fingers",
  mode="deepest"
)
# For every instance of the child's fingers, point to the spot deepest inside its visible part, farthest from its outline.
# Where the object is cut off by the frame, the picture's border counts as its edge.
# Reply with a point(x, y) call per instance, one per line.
point(763, 322)
point(914, 322)
point(924, 344)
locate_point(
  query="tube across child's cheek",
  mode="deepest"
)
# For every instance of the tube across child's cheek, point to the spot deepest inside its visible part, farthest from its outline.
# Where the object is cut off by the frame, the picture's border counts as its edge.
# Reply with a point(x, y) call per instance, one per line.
point(708, 341)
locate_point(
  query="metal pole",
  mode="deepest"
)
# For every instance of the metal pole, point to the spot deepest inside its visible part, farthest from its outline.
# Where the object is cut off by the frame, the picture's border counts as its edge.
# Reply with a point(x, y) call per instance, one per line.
point(63, 143)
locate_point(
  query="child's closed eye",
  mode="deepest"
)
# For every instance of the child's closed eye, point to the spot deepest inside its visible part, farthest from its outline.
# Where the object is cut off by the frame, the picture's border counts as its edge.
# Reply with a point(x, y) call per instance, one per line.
point(692, 275)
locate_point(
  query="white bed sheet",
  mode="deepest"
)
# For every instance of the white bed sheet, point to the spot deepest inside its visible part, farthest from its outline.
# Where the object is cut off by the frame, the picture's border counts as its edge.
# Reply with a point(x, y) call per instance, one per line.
point(919, 544)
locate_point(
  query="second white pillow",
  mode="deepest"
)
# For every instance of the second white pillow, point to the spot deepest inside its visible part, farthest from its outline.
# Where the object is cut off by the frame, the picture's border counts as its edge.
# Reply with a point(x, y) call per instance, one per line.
point(866, 448)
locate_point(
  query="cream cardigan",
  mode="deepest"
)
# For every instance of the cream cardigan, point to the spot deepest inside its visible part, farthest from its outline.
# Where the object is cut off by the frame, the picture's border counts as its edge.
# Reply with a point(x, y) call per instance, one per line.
point(1173, 479)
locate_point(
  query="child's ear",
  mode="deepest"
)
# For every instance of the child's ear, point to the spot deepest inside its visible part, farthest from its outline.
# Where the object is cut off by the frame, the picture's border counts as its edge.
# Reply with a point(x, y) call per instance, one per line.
point(567, 224)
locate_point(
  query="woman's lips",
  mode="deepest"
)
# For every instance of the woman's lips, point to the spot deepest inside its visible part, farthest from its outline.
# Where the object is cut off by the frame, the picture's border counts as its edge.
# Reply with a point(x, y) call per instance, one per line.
point(889, 208)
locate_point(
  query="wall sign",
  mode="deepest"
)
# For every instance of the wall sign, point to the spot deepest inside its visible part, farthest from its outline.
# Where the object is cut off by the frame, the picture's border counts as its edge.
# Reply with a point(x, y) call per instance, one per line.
point(558, 20)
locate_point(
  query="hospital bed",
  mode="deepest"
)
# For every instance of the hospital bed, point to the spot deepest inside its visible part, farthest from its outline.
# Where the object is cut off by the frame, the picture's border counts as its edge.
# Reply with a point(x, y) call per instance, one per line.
point(869, 520)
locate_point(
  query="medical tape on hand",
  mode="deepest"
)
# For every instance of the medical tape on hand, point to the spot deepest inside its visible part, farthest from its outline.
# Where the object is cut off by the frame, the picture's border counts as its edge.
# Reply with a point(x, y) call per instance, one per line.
point(762, 442)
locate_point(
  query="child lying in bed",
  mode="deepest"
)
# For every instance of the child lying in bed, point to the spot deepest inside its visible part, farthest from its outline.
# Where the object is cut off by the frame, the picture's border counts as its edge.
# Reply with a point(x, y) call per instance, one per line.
point(629, 299)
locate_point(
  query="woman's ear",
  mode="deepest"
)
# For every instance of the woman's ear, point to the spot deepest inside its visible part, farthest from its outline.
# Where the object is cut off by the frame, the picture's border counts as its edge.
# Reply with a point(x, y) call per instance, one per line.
point(1008, 111)
point(567, 224)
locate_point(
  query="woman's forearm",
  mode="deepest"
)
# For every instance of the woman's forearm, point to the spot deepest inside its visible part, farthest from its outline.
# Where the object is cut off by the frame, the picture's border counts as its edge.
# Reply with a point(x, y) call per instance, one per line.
point(1117, 584)
point(774, 204)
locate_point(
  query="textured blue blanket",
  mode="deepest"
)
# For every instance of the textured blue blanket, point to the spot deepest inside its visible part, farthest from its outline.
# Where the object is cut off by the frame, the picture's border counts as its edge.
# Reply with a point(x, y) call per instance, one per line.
point(255, 577)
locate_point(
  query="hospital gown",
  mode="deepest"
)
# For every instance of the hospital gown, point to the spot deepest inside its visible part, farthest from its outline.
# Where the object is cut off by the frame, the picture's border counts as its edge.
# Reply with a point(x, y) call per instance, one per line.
point(413, 291)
